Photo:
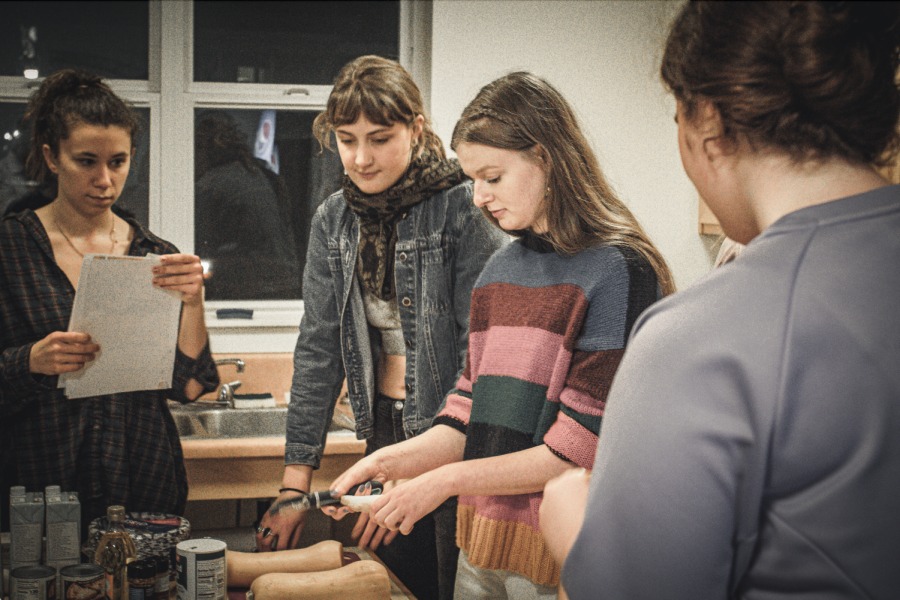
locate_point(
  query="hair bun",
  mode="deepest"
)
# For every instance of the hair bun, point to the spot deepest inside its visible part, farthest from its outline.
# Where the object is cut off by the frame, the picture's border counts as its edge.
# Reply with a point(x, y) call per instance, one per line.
point(876, 21)
point(68, 82)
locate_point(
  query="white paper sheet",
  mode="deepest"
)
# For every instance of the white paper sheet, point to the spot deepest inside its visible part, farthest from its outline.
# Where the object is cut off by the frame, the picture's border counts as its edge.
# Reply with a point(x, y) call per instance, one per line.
point(134, 323)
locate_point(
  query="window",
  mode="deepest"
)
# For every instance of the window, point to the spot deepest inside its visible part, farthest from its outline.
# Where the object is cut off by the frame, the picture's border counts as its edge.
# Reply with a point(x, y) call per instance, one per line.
point(260, 176)
point(181, 63)
point(289, 42)
point(37, 38)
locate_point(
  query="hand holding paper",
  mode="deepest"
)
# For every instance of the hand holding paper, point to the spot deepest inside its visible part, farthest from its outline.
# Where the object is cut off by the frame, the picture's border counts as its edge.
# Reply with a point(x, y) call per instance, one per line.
point(62, 352)
point(180, 273)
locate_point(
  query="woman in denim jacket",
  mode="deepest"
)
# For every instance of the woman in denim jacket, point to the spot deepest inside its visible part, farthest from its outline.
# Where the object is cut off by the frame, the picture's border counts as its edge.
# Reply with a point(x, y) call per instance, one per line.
point(392, 260)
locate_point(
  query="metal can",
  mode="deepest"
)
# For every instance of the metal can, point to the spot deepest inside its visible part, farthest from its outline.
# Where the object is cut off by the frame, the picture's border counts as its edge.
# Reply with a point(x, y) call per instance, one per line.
point(35, 582)
point(82, 582)
point(200, 569)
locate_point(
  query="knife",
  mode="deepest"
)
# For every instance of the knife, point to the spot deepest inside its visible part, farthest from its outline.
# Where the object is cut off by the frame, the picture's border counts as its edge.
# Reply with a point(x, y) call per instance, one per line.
point(306, 502)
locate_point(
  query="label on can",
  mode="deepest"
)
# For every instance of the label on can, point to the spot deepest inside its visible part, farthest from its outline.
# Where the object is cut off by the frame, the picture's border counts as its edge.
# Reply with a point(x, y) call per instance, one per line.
point(32, 583)
point(82, 582)
point(200, 568)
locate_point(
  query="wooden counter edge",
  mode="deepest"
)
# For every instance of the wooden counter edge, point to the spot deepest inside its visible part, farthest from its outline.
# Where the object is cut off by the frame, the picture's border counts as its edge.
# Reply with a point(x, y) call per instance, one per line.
point(369, 555)
point(263, 447)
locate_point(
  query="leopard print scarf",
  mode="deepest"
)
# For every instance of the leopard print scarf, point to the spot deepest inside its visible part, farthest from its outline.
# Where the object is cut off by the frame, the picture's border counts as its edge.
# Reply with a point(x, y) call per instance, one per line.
point(378, 215)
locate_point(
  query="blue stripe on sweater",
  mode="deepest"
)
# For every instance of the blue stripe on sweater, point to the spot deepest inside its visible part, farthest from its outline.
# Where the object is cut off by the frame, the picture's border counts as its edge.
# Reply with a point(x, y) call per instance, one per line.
point(601, 273)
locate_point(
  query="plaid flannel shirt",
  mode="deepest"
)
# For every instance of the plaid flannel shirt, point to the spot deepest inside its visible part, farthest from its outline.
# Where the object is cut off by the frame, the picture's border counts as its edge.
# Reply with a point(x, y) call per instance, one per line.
point(114, 449)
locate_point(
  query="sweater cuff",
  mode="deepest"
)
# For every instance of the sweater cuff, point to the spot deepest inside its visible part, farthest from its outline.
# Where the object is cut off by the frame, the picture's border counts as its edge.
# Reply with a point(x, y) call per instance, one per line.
point(450, 422)
point(202, 369)
point(17, 373)
point(569, 440)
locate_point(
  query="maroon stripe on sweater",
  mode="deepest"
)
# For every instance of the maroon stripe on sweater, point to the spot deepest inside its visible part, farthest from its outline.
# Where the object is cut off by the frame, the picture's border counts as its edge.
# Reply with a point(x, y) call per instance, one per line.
point(592, 372)
point(559, 309)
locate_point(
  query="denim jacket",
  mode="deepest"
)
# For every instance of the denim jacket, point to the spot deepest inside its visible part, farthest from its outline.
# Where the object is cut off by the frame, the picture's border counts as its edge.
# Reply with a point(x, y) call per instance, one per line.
point(443, 243)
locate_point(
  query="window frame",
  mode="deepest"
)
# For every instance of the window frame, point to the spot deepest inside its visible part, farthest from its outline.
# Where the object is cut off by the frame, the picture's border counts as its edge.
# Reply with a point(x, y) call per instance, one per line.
point(171, 95)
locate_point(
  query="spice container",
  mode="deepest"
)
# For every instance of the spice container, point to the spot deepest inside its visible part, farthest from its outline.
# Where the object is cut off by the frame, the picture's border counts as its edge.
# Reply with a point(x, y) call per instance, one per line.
point(142, 580)
point(37, 582)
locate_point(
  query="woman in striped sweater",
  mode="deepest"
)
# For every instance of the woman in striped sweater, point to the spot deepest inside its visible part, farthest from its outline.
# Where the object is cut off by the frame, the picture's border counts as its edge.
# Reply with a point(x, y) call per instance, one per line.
point(550, 317)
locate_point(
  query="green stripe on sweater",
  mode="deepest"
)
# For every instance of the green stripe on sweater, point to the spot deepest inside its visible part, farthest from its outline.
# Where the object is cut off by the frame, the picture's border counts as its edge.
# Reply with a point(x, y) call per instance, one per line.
point(508, 402)
point(589, 422)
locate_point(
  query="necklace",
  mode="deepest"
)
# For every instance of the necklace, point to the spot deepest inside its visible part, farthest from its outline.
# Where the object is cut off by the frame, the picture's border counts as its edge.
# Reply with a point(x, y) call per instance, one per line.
point(112, 236)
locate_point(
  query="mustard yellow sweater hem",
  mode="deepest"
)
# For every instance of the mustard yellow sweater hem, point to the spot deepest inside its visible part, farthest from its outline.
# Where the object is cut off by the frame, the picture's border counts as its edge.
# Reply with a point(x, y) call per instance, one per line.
point(510, 546)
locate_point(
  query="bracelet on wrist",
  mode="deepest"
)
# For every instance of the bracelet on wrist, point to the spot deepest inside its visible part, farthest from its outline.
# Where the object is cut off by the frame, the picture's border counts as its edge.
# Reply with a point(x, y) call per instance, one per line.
point(291, 490)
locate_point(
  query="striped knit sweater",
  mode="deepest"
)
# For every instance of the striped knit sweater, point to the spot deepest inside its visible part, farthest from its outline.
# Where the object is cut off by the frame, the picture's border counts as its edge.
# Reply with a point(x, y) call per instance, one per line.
point(546, 335)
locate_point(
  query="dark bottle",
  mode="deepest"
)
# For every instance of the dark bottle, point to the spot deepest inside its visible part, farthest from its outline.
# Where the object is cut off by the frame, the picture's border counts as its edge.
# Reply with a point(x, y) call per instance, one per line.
point(113, 553)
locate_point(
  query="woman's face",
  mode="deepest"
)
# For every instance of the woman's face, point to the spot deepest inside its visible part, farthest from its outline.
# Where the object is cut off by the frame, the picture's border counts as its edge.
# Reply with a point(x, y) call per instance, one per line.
point(92, 166)
point(509, 184)
point(375, 156)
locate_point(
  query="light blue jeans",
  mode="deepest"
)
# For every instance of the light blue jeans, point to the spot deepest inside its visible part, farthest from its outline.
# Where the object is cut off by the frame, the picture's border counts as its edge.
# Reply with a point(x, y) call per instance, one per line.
point(475, 583)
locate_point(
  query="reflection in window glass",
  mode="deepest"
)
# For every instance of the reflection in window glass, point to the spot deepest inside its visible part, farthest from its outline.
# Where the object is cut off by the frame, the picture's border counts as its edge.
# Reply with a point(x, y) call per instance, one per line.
point(18, 192)
point(107, 39)
point(259, 178)
point(289, 42)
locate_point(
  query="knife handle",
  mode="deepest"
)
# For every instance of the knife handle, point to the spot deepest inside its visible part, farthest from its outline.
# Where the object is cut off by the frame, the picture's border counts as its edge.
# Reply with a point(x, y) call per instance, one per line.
point(320, 499)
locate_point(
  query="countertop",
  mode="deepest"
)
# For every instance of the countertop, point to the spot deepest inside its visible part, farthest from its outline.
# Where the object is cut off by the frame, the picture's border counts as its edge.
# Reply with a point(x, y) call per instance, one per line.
point(337, 442)
point(233, 468)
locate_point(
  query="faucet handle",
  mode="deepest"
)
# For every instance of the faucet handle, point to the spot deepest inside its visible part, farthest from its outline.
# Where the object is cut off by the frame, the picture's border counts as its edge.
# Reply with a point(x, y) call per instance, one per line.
point(226, 392)
point(237, 362)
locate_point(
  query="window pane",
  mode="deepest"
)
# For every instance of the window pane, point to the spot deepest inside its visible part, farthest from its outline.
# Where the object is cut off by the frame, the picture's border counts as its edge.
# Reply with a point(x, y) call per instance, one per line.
point(17, 192)
point(289, 42)
point(259, 179)
point(107, 39)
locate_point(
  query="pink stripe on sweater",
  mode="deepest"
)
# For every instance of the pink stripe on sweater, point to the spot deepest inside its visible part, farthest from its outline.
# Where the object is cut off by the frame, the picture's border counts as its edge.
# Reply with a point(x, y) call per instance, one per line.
point(526, 353)
point(522, 508)
point(458, 408)
point(573, 441)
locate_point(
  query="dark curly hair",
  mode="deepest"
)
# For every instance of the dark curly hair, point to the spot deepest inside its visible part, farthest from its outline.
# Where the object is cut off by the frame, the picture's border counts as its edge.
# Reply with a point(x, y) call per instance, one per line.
point(67, 98)
point(812, 80)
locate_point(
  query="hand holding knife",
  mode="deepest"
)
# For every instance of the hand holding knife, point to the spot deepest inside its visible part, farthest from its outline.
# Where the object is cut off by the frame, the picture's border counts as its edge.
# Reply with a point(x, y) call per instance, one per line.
point(305, 502)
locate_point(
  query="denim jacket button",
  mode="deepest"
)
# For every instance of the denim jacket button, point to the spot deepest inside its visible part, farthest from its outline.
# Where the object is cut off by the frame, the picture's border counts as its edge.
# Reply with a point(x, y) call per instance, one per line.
point(402, 257)
point(398, 405)
point(407, 302)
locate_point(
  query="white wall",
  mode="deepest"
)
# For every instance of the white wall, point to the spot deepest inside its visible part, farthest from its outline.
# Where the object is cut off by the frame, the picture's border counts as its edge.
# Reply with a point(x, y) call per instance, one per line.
point(603, 56)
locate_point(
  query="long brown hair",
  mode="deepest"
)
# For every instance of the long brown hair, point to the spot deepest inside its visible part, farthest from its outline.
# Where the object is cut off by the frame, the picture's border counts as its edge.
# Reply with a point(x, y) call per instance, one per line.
point(810, 80)
point(65, 99)
point(523, 112)
point(382, 91)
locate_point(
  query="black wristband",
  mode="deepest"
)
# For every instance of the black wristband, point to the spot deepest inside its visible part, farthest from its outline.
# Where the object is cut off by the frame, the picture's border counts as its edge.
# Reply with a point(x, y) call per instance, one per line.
point(291, 490)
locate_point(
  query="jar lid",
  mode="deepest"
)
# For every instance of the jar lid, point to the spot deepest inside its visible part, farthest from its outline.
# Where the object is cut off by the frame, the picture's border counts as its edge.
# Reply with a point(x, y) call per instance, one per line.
point(115, 513)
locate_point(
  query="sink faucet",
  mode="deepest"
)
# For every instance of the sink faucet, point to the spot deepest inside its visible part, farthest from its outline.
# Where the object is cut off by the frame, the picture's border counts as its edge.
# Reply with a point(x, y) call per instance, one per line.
point(226, 390)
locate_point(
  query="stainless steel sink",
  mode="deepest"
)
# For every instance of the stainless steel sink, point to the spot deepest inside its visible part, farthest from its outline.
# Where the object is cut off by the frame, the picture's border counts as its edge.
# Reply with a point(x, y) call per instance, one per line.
point(200, 420)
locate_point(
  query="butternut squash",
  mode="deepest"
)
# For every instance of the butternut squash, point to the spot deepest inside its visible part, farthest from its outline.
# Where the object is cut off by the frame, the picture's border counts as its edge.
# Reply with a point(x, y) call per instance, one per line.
point(363, 580)
point(244, 567)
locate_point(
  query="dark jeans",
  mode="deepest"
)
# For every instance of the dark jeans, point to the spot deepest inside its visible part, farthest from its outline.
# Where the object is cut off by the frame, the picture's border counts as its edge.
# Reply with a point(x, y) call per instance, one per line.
point(425, 560)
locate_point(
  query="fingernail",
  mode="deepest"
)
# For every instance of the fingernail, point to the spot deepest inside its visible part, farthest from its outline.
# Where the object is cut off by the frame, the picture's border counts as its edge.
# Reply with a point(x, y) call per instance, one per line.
point(368, 485)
